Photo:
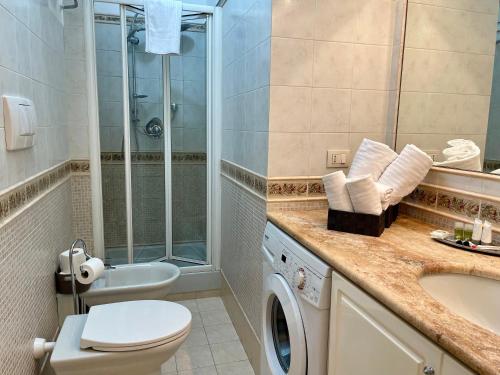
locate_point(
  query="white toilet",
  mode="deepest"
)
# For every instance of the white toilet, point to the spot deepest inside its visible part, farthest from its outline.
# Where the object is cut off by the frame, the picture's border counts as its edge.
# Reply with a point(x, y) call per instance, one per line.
point(126, 338)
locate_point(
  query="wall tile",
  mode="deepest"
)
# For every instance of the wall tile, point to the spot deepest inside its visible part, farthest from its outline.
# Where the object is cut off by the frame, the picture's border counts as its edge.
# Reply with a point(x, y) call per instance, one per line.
point(302, 12)
point(291, 62)
point(290, 109)
point(286, 155)
point(330, 110)
point(333, 64)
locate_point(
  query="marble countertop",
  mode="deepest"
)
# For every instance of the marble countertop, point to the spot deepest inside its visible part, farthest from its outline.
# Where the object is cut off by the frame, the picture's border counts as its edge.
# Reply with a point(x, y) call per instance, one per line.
point(388, 268)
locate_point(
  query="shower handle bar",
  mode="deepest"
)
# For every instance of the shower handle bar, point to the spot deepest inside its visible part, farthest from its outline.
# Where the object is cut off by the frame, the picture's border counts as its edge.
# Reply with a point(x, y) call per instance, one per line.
point(72, 6)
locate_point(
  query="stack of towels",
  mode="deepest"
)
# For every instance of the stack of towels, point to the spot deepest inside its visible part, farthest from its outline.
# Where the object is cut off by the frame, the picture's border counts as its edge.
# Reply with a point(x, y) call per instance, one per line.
point(378, 178)
point(461, 154)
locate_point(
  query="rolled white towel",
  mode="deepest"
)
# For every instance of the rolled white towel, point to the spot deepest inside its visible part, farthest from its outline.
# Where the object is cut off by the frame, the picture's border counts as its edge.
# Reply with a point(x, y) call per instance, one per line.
point(462, 154)
point(365, 196)
point(385, 194)
point(371, 158)
point(336, 191)
point(406, 172)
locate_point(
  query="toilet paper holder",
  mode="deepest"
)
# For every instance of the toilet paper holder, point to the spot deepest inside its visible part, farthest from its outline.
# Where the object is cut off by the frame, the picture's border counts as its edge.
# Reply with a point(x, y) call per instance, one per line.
point(76, 304)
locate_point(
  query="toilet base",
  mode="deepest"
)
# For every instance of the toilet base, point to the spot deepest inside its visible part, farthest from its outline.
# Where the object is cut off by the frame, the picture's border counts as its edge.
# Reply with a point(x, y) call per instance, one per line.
point(68, 359)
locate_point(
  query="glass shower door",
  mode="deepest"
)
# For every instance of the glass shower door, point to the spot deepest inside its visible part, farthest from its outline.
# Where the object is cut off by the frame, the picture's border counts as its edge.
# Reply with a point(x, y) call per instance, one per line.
point(153, 127)
point(188, 88)
point(147, 140)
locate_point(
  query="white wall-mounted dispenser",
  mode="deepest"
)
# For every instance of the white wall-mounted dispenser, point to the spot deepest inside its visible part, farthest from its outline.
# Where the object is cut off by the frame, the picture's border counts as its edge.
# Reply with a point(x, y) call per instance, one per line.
point(20, 122)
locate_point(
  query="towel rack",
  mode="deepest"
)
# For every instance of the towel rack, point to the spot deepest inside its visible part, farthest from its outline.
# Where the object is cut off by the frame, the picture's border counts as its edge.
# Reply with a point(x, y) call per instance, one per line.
point(72, 6)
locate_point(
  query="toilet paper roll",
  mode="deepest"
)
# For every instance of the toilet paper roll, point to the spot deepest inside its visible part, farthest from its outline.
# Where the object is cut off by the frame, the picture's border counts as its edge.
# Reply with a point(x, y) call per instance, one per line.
point(78, 259)
point(90, 270)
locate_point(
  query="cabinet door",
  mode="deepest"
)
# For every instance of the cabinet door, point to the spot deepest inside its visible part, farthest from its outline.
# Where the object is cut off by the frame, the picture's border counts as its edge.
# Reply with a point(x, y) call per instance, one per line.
point(367, 339)
point(452, 367)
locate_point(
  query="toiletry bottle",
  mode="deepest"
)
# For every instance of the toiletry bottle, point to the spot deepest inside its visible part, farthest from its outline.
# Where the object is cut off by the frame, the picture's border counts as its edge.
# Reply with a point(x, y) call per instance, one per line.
point(477, 231)
point(486, 236)
point(468, 229)
point(459, 231)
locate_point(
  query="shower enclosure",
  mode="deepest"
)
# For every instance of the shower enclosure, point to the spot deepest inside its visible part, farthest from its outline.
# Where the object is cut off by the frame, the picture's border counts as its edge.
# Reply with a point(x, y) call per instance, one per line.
point(154, 129)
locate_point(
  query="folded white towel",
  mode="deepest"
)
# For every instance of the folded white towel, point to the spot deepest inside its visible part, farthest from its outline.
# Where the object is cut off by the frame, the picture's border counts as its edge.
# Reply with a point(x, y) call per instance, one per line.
point(163, 26)
point(406, 172)
point(385, 194)
point(365, 195)
point(371, 158)
point(336, 191)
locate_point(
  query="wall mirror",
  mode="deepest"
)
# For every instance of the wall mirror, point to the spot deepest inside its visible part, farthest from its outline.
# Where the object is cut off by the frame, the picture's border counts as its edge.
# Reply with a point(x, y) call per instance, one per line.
point(450, 85)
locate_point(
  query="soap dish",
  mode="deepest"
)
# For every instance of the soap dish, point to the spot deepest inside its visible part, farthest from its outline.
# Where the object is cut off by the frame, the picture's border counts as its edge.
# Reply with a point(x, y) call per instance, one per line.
point(484, 249)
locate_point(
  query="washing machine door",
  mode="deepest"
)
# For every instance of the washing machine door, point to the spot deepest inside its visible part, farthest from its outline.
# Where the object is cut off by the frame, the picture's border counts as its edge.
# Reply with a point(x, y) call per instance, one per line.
point(283, 331)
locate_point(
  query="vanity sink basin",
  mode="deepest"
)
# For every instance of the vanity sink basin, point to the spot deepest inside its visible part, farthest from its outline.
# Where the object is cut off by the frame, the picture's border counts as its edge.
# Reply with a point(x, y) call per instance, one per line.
point(474, 298)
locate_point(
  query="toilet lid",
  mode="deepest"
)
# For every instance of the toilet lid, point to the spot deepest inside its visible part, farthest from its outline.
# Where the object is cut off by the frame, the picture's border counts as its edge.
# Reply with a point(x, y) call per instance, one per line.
point(134, 325)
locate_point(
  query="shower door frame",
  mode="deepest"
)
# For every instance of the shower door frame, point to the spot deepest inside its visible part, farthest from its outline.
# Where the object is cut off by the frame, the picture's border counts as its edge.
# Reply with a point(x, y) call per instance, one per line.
point(213, 100)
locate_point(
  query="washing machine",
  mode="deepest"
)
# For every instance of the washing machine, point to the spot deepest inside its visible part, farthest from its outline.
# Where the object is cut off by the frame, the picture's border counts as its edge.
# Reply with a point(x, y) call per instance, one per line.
point(296, 307)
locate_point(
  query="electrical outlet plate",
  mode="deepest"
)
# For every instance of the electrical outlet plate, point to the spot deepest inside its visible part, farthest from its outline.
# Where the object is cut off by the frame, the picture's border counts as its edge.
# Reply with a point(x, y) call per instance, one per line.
point(337, 158)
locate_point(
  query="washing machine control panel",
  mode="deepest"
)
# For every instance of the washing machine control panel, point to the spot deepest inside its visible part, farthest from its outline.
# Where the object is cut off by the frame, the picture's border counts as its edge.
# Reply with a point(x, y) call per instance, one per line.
point(302, 279)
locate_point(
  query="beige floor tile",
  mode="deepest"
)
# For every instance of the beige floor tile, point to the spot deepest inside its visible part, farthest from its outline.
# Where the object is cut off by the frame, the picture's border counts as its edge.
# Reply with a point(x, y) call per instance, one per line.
point(210, 304)
point(193, 358)
point(190, 304)
point(236, 368)
point(197, 337)
point(227, 352)
point(221, 333)
point(169, 366)
point(211, 318)
point(200, 371)
point(196, 322)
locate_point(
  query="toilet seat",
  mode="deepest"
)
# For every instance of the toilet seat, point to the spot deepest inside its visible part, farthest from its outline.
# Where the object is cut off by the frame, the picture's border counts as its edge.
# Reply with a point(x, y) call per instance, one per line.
point(134, 325)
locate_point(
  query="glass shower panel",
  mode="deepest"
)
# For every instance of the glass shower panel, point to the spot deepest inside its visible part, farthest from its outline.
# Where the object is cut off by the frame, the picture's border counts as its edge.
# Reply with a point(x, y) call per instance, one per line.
point(189, 144)
point(146, 144)
point(109, 79)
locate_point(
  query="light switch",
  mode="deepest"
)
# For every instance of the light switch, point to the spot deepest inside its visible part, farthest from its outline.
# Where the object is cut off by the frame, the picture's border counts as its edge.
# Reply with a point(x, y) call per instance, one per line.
point(337, 158)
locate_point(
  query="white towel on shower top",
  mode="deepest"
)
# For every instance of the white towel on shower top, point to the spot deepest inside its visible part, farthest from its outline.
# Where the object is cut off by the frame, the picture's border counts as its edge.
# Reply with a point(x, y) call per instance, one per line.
point(163, 26)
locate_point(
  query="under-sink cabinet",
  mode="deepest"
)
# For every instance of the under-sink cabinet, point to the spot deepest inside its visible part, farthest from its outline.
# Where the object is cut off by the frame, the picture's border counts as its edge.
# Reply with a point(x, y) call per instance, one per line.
point(368, 339)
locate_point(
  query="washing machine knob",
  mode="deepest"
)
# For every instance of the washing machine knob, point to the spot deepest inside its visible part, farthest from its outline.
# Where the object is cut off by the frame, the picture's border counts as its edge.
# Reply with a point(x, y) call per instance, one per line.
point(300, 278)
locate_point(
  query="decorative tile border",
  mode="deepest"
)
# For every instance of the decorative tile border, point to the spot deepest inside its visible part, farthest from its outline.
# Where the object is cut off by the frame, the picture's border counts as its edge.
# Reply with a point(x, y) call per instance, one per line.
point(424, 196)
point(155, 157)
point(451, 205)
point(14, 199)
point(490, 211)
point(275, 190)
point(252, 181)
point(457, 204)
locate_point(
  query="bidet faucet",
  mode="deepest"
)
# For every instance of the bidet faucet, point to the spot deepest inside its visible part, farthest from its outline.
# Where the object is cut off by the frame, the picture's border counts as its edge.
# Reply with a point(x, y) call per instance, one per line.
point(76, 307)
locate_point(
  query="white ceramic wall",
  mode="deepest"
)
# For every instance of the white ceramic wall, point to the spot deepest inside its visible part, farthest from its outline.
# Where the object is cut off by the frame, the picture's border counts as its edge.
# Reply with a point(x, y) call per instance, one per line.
point(31, 65)
point(75, 75)
point(447, 72)
point(246, 62)
point(334, 75)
